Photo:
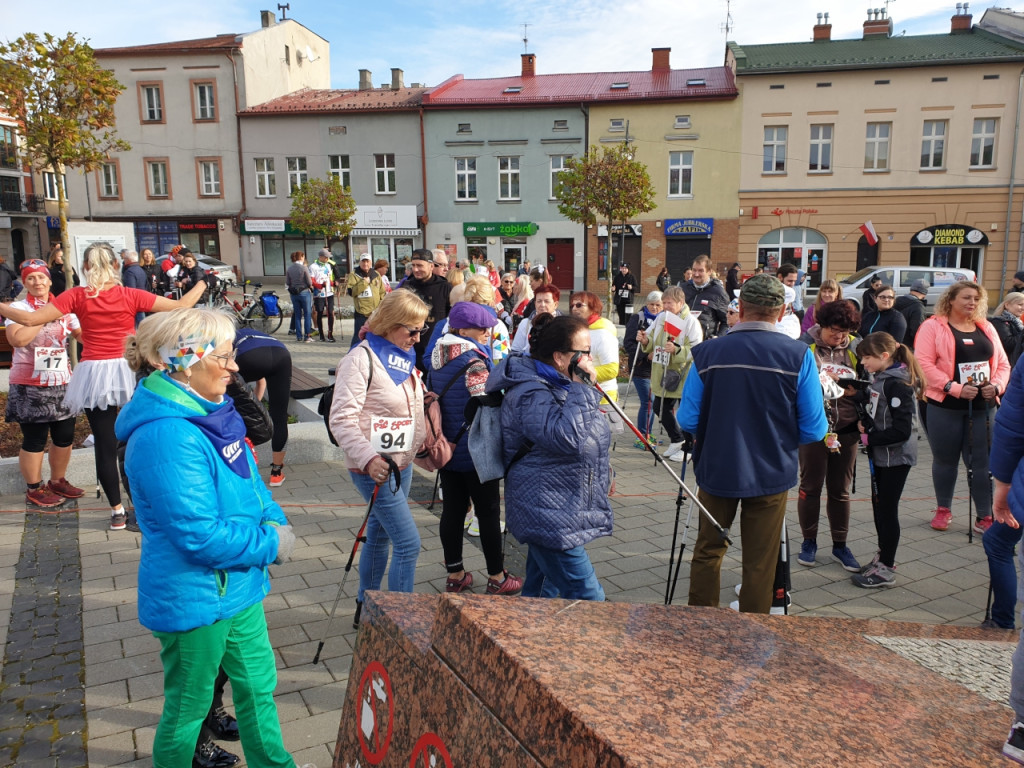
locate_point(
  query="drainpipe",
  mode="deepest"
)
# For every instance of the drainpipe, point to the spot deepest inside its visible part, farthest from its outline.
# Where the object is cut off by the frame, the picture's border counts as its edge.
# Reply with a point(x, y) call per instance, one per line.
point(423, 173)
point(1009, 195)
point(241, 166)
point(586, 240)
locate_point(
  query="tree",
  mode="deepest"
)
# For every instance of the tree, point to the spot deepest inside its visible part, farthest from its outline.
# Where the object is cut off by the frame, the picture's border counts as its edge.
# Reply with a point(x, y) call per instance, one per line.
point(64, 102)
point(323, 207)
point(608, 184)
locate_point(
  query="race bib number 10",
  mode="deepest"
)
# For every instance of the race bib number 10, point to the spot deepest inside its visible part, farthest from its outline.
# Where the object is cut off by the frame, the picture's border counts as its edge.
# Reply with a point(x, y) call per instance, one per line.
point(390, 435)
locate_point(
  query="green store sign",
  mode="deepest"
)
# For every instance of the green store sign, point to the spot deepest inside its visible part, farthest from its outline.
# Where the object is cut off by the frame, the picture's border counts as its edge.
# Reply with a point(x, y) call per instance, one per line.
point(502, 229)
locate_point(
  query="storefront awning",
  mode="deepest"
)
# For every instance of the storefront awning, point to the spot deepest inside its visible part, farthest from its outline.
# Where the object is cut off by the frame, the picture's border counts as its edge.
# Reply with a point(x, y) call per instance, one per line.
point(389, 232)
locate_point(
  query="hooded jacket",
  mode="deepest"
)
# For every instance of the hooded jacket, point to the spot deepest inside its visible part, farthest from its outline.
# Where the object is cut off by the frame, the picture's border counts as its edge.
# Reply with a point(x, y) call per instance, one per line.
point(556, 495)
point(890, 406)
point(207, 532)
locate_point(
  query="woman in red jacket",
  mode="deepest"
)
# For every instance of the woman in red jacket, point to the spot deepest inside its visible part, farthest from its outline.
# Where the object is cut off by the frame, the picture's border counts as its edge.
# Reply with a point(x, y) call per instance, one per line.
point(965, 370)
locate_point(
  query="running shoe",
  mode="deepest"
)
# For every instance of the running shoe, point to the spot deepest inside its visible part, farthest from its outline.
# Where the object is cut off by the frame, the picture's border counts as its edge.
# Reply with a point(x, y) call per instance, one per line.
point(118, 521)
point(808, 552)
point(42, 497)
point(879, 575)
point(983, 524)
point(844, 557)
point(473, 529)
point(459, 585)
point(510, 585)
point(276, 476)
point(63, 488)
point(943, 517)
point(1014, 746)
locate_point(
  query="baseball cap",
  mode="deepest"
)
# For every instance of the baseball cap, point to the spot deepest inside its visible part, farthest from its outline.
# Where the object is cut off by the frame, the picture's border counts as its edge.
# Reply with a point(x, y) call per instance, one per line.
point(921, 286)
point(763, 291)
point(421, 255)
point(466, 314)
point(365, 257)
point(323, 252)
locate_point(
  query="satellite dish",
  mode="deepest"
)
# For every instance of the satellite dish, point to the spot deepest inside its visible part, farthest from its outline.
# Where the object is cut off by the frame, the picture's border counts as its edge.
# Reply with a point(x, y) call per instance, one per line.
point(310, 55)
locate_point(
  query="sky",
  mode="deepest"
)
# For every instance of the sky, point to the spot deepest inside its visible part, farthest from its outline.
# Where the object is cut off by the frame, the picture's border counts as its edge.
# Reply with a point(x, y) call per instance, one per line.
point(431, 40)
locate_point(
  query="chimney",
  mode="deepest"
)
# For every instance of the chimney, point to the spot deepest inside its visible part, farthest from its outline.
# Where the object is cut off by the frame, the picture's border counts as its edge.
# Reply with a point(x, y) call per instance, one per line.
point(822, 31)
point(961, 21)
point(660, 58)
point(397, 79)
point(529, 65)
point(267, 19)
point(365, 80)
point(877, 24)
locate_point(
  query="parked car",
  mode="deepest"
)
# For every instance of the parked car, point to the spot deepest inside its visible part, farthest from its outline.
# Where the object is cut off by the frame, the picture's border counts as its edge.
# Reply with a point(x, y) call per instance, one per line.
point(209, 265)
point(901, 278)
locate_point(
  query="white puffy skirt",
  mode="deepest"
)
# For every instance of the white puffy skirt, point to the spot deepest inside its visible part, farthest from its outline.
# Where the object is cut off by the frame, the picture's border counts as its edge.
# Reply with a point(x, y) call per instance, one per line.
point(100, 384)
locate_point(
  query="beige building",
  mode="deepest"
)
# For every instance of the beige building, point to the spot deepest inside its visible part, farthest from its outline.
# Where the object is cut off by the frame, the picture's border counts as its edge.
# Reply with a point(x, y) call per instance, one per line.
point(914, 134)
point(182, 182)
point(22, 212)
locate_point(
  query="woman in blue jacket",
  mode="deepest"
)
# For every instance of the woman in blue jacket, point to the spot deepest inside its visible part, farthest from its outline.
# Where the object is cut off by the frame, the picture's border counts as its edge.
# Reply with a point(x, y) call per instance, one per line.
point(555, 444)
point(209, 530)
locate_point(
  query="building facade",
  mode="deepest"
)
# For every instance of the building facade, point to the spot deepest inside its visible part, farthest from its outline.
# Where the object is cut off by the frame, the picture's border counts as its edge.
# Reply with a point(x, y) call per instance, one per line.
point(22, 212)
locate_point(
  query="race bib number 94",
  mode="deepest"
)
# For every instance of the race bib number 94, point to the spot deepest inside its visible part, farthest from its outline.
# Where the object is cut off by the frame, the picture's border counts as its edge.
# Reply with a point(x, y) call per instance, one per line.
point(390, 435)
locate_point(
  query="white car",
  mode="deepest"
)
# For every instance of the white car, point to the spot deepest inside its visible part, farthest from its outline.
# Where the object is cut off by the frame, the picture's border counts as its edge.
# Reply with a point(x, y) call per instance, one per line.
point(209, 265)
point(900, 278)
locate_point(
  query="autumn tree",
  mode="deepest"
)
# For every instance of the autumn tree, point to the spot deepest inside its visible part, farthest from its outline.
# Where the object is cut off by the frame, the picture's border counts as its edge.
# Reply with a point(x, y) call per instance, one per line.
point(606, 184)
point(64, 102)
point(323, 207)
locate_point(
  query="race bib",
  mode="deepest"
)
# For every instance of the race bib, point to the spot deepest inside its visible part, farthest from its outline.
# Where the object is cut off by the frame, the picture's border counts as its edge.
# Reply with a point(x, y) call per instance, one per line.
point(840, 371)
point(661, 356)
point(391, 435)
point(975, 374)
point(367, 294)
point(51, 359)
point(872, 405)
point(624, 293)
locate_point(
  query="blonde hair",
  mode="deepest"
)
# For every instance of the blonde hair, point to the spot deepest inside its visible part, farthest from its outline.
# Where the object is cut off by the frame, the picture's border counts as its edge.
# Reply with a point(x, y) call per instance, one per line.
point(142, 351)
point(400, 307)
point(830, 283)
point(479, 291)
point(456, 277)
point(522, 290)
point(945, 303)
point(1009, 298)
point(99, 260)
point(673, 293)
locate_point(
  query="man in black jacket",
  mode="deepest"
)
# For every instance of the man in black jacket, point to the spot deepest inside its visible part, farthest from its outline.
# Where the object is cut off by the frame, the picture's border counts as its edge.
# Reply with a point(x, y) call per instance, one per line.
point(707, 296)
point(434, 291)
point(911, 307)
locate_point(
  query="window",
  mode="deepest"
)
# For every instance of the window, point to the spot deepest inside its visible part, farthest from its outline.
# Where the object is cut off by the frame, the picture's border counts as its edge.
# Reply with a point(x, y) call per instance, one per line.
point(50, 185)
point(385, 167)
point(774, 149)
point(876, 147)
point(340, 170)
point(933, 144)
point(682, 121)
point(821, 149)
point(560, 125)
point(204, 101)
point(680, 174)
point(297, 175)
point(557, 166)
point(465, 128)
point(513, 89)
point(622, 86)
point(616, 125)
point(108, 180)
point(208, 171)
point(508, 178)
point(983, 143)
point(266, 179)
point(151, 102)
point(465, 178)
point(8, 149)
point(158, 181)
point(696, 81)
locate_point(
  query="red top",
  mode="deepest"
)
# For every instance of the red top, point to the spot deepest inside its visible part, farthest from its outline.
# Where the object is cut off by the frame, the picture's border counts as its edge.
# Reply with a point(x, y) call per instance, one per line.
point(107, 320)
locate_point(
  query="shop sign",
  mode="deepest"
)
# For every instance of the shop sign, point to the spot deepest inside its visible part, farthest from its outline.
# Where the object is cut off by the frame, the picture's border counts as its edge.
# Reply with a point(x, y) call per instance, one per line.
point(632, 230)
point(195, 226)
point(500, 229)
point(53, 222)
point(689, 226)
point(951, 234)
point(250, 226)
point(385, 217)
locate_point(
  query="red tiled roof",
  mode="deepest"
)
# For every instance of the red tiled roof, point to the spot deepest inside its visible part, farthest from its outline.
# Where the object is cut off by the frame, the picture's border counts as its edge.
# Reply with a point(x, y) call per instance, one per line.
point(328, 100)
point(586, 87)
point(225, 42)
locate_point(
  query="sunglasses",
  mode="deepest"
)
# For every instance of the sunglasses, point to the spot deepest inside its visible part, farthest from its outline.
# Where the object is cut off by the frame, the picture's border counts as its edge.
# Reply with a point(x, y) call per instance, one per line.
point(577, 305)
point(414, 331)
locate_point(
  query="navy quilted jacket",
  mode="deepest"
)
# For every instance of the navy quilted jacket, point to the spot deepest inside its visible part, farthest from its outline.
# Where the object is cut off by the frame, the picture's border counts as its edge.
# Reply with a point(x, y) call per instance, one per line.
point(557, 494)
point(449, 358)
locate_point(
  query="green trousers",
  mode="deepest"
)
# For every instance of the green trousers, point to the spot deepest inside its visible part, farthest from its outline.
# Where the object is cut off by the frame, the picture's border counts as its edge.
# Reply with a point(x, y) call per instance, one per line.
point(241, 644)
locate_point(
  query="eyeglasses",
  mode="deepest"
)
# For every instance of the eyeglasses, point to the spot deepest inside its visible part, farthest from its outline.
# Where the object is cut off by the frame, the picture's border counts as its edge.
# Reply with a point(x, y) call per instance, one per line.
point(227, 359)
point(885, 297)
point(443, 265)
point(580, 352)
point(578, 304)
point(508, 282)
point(414, 331)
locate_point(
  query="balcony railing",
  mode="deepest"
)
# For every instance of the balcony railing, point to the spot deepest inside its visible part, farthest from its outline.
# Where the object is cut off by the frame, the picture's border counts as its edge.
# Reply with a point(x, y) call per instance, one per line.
point(15, 203)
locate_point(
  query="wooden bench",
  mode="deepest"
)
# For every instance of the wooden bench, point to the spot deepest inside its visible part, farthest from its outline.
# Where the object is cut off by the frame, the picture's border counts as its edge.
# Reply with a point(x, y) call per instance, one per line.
point(306, 385)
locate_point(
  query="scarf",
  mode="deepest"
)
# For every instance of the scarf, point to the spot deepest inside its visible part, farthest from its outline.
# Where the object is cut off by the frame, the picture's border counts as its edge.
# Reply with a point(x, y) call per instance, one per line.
point(550, 375)
point(395, 360)
point(1013, 320)
point(35, 303)
point(593, 318)
point(648, 320)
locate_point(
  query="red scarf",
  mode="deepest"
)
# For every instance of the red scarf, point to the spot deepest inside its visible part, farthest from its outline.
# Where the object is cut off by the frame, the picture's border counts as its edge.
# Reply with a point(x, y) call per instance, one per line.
point(593, 318)
point(36, 303)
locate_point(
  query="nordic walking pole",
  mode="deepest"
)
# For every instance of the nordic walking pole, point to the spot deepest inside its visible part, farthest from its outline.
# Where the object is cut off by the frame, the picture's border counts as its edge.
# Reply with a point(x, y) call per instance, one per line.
point(348, 567)
point(970, 471)
point(632, 369)
point(682, 551)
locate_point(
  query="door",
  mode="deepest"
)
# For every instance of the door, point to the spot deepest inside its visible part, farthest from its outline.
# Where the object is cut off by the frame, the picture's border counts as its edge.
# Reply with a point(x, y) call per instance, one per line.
point(18, 247)
point(867, 255)
point(513, 256)
point(680, 253)
point(560, 263)
point(632, 256)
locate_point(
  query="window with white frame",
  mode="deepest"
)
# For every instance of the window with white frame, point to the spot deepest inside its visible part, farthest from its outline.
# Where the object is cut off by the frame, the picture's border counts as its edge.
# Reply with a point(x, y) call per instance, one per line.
point(209, 178)
point(508, 178)
point(680, 174)
point(557, 166)
point(384, 165)
point(266, 179)
point(50, 185)
point(109, 184)
point(205, 109)
point(876, 146)
point(774, 158)
point(157, 179)
point(339, 169)
point(983, 143)
point(152, 99)
point(297, 175)
point(933, 144)
point(820, 160)
point(8, 149)
point(465, 178)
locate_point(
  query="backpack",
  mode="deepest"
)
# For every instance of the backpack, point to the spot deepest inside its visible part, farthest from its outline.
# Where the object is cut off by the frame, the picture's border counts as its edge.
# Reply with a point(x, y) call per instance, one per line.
point(269, 300)
point(327, 399)
point(437, 449)
point(259, 427)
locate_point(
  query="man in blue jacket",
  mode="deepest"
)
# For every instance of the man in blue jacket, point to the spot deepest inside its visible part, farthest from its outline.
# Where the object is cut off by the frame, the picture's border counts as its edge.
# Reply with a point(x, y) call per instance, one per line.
point(751, 399)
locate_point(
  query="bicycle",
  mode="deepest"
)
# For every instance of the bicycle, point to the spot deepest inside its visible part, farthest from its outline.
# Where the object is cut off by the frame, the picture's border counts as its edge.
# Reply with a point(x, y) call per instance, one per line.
point(250, 310)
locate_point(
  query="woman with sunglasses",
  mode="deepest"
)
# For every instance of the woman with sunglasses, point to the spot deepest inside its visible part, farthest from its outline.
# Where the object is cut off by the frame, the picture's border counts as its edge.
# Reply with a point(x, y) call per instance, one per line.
point(604, 340)
point(377, 419)
point(103, 382)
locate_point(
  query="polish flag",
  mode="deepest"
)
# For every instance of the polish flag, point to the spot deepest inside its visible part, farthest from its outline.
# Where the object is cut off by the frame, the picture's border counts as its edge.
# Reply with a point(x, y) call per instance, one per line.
point(673, 325)
point(869, 232)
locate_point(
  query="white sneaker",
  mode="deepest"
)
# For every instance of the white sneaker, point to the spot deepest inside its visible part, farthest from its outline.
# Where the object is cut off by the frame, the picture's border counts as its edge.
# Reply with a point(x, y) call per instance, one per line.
point(474, 527)
point(775, 610)
point(679, 455)
point(672, 448)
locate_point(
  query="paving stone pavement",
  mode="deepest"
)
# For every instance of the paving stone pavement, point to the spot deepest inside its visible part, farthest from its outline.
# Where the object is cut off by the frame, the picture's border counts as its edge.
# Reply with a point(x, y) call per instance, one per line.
point(941, 579)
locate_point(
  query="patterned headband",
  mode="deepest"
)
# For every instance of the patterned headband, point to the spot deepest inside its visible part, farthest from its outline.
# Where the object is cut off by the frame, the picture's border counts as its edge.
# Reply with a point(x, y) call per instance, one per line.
point(186, 353)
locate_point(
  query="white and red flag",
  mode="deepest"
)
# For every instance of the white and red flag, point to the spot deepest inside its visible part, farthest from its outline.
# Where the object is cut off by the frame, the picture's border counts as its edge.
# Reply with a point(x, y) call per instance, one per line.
point(673, 325)
point(869, 232)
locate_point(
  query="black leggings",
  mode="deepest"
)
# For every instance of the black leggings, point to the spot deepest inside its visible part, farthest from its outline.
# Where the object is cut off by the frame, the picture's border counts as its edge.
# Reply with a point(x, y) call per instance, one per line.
point(275, 365)
point(33, 436)
point(101, 421)
point(458, 489)
point(324, 306)
point(885, 503)
point(667, 414)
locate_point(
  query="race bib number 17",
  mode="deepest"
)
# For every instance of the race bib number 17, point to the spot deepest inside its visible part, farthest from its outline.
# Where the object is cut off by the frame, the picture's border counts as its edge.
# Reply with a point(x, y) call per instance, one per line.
point(50, 359)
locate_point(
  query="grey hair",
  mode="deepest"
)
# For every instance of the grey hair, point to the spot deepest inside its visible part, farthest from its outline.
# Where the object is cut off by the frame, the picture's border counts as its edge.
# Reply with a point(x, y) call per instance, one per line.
point(653, 296)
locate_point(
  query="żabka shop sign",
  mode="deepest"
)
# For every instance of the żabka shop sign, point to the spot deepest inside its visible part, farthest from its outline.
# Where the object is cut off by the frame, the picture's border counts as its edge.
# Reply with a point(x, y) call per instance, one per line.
point(501, 229)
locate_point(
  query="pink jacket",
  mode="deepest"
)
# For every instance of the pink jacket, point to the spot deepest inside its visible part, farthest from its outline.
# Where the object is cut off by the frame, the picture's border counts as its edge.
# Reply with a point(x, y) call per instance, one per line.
point(355, 406)
point(935, 350)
